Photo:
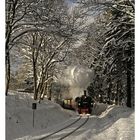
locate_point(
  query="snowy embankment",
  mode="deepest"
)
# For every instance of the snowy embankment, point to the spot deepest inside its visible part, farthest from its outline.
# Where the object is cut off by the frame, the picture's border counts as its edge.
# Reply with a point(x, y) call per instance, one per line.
point(19, 115)
point(116, 123)
point(109, 123)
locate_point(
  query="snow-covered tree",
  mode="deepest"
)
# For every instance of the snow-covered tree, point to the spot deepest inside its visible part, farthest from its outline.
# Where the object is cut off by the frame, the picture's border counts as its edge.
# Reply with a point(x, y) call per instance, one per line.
point(116, 58)
point(119, 47)
point(42, 48)
point(15, 13)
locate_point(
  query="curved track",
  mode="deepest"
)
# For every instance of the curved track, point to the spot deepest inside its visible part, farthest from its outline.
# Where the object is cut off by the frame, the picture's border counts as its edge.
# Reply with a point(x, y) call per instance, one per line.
point(60, 129)
point(78, 126)
point(74, 129)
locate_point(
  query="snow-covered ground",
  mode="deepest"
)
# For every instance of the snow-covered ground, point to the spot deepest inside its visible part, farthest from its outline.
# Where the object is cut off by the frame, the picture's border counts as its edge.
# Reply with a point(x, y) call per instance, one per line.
point(106, 122)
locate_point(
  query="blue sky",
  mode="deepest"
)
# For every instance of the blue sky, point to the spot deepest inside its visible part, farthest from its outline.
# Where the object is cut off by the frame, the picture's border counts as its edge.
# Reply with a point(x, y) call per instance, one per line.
point(70, 1)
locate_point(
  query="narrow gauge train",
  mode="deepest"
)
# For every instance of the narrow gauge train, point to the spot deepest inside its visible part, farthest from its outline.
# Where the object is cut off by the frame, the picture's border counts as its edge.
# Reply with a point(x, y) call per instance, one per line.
point(82, 104)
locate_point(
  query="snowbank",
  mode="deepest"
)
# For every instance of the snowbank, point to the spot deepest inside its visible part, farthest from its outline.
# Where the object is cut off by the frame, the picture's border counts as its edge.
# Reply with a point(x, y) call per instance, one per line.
point(116, 123)
point(106, 122)
point(99, 108)
point(19, 115)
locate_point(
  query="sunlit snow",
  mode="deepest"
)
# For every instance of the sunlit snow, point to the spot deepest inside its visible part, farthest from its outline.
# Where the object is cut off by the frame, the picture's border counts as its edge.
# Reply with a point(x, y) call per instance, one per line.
point(105, 123)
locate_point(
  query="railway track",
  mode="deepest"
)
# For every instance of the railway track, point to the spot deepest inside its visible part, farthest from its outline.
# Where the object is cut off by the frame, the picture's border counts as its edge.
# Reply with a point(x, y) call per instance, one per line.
point(78, 124)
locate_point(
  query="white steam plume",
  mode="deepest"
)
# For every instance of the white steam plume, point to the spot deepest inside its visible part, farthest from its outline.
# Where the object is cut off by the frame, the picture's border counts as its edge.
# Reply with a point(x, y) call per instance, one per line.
point(77, 78)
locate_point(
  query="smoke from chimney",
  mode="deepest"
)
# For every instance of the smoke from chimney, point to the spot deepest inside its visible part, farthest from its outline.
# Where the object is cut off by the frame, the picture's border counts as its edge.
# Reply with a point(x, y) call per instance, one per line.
point(77, 79)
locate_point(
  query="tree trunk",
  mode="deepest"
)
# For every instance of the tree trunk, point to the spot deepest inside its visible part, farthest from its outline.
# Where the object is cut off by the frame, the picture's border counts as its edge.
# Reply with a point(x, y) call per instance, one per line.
point(128, 88)
point(50, 91)
point(109, 91)
point(7, 73)
point(9, 22)
point(7, 64)
point(118, 93)
point(129, 80)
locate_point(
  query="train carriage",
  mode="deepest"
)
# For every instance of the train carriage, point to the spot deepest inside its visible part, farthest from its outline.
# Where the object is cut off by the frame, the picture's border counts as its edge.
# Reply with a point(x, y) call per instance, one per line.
point(68, 104)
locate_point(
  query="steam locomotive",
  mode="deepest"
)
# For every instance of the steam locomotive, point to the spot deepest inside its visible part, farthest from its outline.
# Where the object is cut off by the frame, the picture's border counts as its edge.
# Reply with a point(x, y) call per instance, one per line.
point(82, 104)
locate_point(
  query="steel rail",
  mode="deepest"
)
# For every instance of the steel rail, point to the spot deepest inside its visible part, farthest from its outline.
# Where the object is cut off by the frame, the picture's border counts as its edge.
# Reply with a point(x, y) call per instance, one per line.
point(75, 129)
point(60, 129)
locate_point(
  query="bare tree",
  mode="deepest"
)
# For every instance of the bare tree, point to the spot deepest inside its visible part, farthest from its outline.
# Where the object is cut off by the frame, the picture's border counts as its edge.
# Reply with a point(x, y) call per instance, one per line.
point(15, 13)
point(23, 17)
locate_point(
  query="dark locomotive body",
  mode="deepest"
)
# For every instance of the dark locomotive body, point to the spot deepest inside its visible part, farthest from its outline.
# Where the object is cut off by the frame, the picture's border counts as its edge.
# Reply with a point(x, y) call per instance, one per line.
point(83, 104)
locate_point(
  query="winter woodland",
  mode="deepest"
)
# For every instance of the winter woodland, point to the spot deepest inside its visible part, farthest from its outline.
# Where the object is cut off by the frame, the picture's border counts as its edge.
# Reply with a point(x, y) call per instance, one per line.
point(55, 49)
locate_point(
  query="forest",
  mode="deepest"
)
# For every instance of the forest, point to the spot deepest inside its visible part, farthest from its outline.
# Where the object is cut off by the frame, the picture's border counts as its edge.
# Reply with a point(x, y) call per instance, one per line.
point(44, 38)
